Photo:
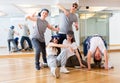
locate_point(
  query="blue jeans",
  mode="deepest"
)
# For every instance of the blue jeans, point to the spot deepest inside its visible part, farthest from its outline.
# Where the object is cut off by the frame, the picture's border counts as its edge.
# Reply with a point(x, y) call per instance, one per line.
point(39, 47)
point(14, 44)
point(28, 41)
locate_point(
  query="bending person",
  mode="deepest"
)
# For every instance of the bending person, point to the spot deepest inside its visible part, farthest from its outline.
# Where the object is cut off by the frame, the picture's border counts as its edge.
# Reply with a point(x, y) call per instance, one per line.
point(95, 46)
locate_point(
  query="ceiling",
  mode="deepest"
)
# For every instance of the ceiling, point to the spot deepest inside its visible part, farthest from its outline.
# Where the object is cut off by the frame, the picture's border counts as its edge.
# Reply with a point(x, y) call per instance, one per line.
point(19, 8)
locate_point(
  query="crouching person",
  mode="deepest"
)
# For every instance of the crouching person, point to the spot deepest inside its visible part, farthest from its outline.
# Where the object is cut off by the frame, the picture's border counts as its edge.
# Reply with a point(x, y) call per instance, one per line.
point(55, 60)
point(74, 57)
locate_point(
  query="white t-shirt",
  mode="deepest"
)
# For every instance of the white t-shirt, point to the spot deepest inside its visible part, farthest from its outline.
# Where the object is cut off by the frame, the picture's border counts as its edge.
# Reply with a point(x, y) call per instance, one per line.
point(51, 51)
point(96, 42)
point(72, 45)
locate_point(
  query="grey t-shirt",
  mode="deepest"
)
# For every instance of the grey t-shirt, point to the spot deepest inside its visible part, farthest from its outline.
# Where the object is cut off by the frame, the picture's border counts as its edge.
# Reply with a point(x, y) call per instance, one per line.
point(66, 22)
point(11, 34)
point(40, 29)
point(25, 30)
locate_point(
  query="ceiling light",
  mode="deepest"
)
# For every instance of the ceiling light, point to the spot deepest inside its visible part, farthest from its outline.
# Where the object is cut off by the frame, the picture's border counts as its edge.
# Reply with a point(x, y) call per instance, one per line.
point(96, 8)
point(86, 16)
point(31, 10)
point(104, 16)
point(25, 5)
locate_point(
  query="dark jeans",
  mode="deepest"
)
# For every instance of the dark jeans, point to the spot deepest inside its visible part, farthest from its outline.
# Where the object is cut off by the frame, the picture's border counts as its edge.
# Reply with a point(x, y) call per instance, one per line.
point(62, 37)
point(73, 61)
point(39, 47)
point(14, 44)
point(28, 41)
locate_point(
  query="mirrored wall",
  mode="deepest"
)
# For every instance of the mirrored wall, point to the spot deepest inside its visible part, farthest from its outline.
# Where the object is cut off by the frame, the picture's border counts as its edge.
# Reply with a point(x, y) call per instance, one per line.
point(91, 23)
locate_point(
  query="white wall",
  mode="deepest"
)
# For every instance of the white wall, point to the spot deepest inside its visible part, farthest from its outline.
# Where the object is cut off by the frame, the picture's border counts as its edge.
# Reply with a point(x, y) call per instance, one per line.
point(4, 24)
point(114, 31)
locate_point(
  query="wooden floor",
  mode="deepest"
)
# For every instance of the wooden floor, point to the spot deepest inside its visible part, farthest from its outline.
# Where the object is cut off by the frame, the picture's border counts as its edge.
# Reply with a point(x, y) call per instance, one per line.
point(20, 69)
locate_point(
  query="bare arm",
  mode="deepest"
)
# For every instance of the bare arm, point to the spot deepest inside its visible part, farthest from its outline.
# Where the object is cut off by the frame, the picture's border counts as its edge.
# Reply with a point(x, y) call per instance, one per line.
point(89, 60)
point(106, 59)
point(76, 25)
point(16, 33)
point(78, 57)
point(32, 17)
point(63, 9)
point(52, 28)
point(57, 45)
point(20, 25)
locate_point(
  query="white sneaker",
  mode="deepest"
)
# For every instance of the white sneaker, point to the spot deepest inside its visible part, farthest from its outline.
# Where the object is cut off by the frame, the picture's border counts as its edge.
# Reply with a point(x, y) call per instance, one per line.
point(56, 72)
point(43, 65)
point(64, 70)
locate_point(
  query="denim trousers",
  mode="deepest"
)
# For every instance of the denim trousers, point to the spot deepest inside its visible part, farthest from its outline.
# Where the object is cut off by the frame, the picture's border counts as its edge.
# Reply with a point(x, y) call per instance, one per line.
point(14, 44)
point(39, 47)
point(28, 41)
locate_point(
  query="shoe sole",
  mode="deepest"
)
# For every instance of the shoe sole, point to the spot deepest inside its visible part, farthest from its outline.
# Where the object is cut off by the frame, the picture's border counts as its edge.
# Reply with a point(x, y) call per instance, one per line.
point(57, 72)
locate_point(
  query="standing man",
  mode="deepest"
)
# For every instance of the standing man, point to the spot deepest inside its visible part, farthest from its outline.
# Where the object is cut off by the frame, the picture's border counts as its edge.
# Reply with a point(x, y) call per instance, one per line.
point(67, 18)
point(10, 39)
point(25, 36)
point(38, 37)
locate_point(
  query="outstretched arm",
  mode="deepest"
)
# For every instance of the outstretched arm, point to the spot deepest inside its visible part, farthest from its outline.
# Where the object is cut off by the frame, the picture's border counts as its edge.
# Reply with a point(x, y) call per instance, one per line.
point(57, 45)
point(52, 28)
point(32, 17)
point(63, 9)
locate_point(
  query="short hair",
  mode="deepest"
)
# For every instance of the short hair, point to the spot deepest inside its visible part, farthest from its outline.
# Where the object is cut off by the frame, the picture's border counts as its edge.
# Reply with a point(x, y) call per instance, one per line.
point(71, 33)
point(75, 4)
point(39, 14)
point(55, 36)
point(12, 27)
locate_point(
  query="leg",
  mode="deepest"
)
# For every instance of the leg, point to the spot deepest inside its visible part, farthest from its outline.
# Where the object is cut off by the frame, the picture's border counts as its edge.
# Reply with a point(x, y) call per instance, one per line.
point(37, 47)
point(22, 42)
point(43, 49)
point(9, 46)
point(29, 42)
point(15, 46)
point(62, 58)
point(51, 59)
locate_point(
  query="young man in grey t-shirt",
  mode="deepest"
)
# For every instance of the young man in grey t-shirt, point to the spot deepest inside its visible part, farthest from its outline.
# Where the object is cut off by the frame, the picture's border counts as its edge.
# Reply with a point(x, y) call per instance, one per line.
point(67, 18)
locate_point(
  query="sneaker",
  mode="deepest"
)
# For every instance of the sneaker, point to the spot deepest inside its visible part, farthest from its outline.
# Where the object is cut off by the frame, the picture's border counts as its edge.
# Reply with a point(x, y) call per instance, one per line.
point(23, 50)
point(64, 70)
point(44, 65)
point(56, 72)
point(29, 49)
point(37, 67)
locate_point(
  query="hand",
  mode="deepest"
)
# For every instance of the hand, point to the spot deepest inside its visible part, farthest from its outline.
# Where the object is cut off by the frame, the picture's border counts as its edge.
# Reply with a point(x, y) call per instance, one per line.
point(106, 67)
point(89, 68)
point(82, 66)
